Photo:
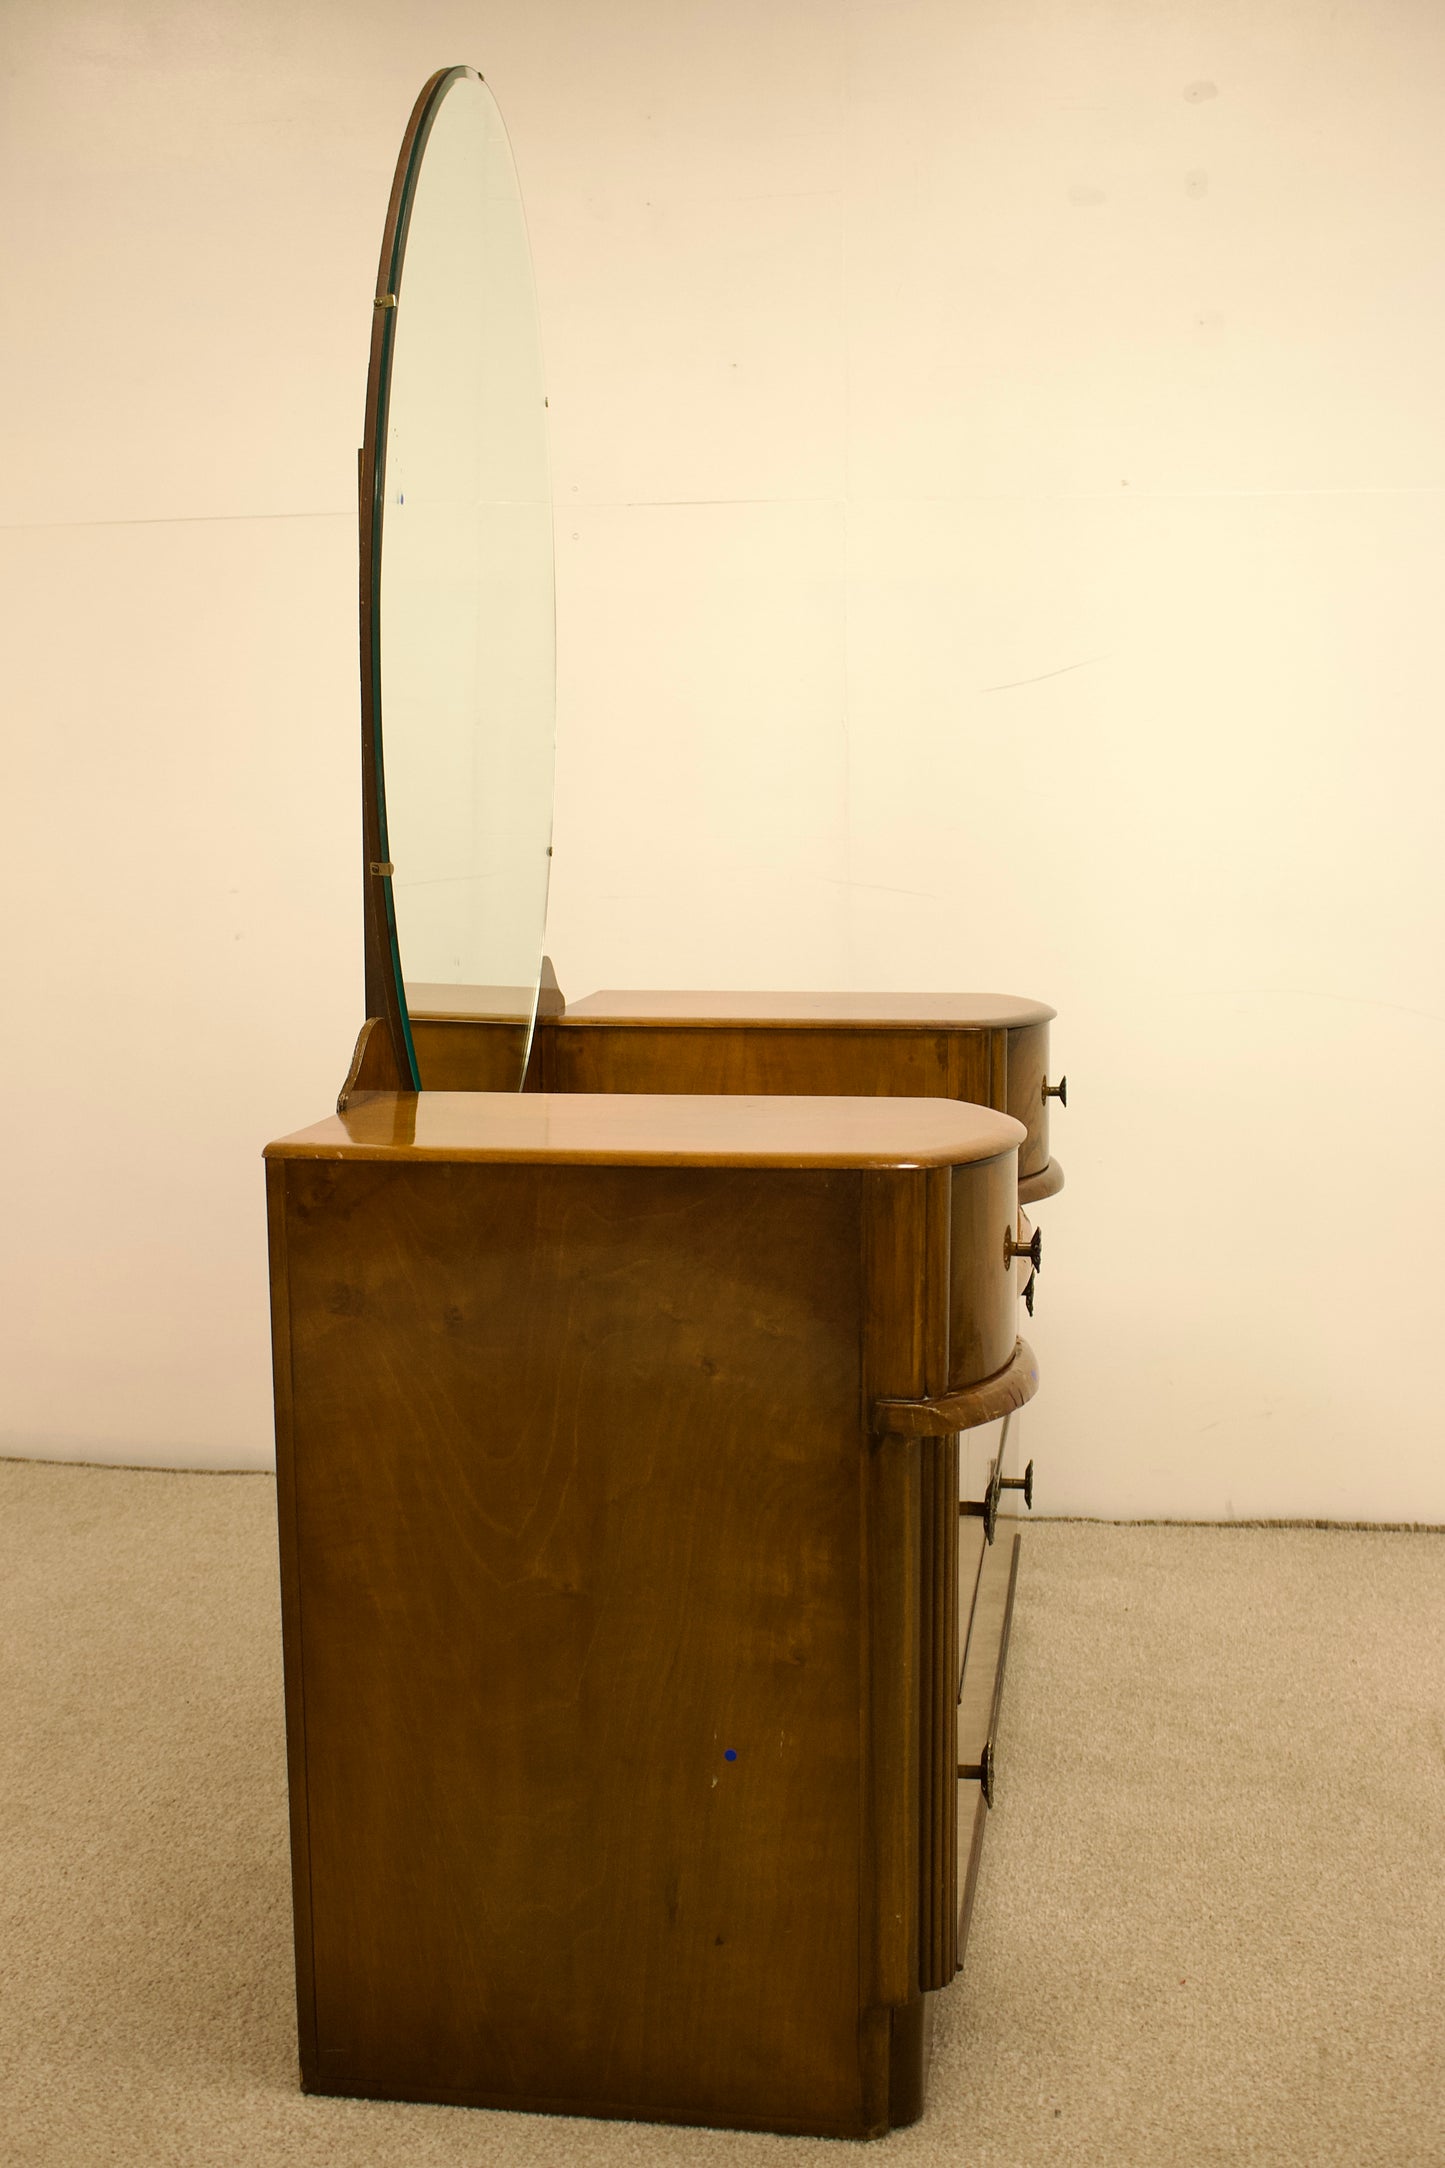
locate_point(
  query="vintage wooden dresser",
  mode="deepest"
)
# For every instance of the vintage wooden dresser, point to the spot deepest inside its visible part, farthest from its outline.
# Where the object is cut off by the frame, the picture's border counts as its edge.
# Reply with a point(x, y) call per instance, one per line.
point(642, 1655)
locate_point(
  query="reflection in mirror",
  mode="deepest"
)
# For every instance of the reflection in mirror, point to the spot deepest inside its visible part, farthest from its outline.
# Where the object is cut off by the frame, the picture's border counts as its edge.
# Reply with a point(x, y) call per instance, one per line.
point(465, 603)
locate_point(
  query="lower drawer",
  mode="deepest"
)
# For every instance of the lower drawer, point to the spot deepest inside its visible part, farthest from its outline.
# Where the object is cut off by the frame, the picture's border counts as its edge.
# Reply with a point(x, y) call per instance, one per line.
point(990, 1614)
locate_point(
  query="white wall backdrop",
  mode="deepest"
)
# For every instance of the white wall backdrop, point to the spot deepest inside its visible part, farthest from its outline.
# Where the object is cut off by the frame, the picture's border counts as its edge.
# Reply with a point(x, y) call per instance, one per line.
point(998, 452)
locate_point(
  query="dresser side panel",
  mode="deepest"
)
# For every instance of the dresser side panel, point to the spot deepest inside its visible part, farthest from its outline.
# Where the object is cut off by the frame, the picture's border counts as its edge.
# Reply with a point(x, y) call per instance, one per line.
point(577, 1507)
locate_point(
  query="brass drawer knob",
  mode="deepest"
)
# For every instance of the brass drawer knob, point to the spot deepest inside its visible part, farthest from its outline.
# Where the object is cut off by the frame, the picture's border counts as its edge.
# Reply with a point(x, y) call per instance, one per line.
point(1033, 1251)
point(1059, 1091)
point(985, 1509)
point(1024, 1482)
point(980, 1772)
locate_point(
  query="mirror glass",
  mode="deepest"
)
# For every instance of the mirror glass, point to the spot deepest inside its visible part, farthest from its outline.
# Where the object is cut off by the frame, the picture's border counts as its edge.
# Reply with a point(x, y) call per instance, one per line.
point(462, 598)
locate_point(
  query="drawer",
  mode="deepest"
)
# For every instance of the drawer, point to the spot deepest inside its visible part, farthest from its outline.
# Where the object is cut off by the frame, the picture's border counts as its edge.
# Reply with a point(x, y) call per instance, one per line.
point(985, 1283)
point(978, 1704)
point(841, 1063)
point(1028, 1067)
point(982, 1452)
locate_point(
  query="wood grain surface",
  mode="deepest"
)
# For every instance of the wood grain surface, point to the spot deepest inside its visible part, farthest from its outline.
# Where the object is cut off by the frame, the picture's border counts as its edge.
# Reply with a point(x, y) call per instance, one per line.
point(373, 1065)
point(989, 1049)
point(573, 1478)
point(904, 1236)
point(985, 1283)
point(973, 1012)
point(656, 1131)
point(818, 1059)
point(464, 1054)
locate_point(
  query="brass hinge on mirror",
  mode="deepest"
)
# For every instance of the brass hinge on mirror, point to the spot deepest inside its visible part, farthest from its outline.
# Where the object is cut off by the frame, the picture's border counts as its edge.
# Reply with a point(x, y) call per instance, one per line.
point(382, 865)
point(384, 301)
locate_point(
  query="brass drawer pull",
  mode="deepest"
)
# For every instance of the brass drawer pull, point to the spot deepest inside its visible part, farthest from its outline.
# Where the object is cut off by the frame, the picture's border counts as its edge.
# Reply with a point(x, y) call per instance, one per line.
point(1033, 1251)
point(985, 1509)
point(1059, 1091)
point(1024, 1482)
point(980, 1773)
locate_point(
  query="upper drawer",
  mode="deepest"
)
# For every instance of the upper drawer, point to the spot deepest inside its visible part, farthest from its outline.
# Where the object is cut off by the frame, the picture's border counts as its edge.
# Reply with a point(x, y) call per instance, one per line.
point(955, 1046)
point(1028, 1072)
point(984, 1282)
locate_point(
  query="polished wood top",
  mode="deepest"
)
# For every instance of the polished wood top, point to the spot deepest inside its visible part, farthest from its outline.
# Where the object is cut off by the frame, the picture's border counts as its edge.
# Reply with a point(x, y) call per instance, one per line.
point(917, 1012)
point(663, 1130)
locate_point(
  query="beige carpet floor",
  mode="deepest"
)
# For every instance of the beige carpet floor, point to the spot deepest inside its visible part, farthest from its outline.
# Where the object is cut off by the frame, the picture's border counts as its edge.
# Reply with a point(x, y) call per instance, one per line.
point(1210, 1925)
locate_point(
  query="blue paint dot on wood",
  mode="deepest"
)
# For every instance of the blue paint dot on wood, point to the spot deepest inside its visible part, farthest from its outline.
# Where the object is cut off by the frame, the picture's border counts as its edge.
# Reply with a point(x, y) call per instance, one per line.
point(730, 1753)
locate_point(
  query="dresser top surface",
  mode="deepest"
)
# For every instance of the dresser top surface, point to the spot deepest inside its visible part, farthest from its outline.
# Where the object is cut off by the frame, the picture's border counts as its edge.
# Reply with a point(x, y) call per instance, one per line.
point(919, 1012)
point(657, 1130)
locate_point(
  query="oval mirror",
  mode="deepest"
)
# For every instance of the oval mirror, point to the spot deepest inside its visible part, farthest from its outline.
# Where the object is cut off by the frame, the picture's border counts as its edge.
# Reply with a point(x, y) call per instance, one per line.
point(458, 665)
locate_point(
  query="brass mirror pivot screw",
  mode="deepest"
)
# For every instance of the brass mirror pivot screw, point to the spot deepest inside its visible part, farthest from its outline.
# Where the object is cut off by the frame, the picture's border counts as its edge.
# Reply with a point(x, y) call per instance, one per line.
point(1024, 1482)
point(1059, 1091)
point(1033, 1251)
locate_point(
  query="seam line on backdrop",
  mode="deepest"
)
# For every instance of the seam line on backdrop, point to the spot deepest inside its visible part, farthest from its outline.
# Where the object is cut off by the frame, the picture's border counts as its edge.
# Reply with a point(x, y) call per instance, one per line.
point(682, 504)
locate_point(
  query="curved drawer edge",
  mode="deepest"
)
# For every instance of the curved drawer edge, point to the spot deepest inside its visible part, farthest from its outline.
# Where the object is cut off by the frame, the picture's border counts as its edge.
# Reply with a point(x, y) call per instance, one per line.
point(1006, 1390)
point(1046, 1183)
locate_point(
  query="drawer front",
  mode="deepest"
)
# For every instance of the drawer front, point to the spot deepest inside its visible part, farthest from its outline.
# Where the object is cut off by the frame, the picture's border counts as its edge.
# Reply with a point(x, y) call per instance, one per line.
point(938, 1716)
point(1028, 1063)
point(723, 1058)
point(984, 1283)
point(984, 1657)
point(972, 1547)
